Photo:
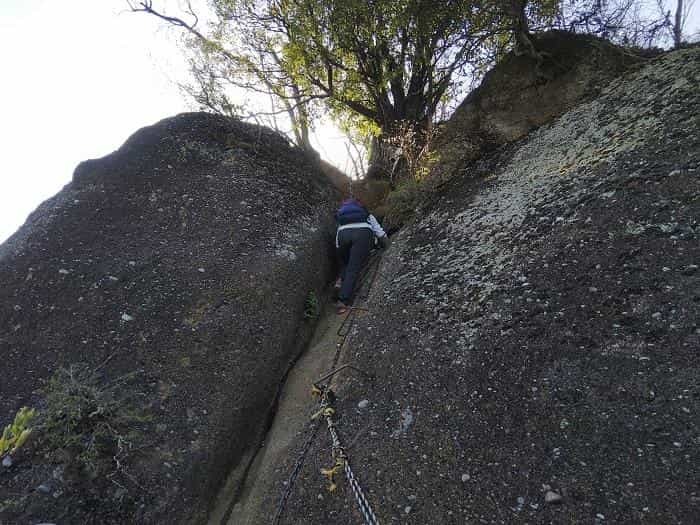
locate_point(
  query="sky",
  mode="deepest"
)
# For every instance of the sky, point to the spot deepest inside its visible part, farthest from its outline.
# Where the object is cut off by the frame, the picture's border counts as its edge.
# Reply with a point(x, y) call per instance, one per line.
point(79, 77)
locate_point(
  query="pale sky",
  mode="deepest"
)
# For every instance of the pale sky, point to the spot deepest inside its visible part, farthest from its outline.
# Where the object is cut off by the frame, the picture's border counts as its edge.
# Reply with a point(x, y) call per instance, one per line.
point(78, 78)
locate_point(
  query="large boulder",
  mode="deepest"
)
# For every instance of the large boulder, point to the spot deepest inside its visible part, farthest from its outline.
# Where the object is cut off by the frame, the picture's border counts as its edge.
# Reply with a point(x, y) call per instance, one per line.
point(522, 93)
point(534, 334)
point(173, 278)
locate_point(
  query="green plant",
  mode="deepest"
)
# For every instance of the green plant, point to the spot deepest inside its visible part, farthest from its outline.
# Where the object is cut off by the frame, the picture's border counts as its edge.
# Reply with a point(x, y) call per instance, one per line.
point(13, 504)
point(414, 147)
point(312, 308)
point(16, 433)
point(89, 423)
point(402, 202)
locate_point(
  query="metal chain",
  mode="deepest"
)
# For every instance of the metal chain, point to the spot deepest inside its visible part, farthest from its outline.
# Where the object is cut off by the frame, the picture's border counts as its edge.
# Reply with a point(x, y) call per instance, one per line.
point(367, 277)
point(305, 449)
point(295, 472)
point(343, 332)
point(371, 269)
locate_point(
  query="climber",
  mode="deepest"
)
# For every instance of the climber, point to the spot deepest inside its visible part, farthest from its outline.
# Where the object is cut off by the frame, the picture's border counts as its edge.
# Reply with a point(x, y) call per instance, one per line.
point(355, 237)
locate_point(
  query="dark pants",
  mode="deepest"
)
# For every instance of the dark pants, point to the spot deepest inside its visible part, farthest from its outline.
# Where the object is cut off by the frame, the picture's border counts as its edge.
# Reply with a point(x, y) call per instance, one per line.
point(353, 251)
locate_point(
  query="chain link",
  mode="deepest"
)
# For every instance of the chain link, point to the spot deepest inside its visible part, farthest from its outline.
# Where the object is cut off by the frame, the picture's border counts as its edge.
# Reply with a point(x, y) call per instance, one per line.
point(323, 403)
point(364, 285)
point(295, 472)
point(371, 270)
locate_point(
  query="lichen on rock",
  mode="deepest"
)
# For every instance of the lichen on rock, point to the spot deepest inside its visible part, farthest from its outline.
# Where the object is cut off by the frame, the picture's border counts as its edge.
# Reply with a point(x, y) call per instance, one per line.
point(184, 257)
point(539, 318)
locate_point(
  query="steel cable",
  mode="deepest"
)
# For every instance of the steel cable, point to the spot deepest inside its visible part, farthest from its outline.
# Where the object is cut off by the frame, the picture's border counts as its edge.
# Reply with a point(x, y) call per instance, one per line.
point(364, 285)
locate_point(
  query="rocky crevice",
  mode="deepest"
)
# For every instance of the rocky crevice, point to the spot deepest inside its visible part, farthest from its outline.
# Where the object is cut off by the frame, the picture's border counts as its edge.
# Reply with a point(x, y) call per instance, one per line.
point(289, 421)
point(185, 258)
point(538, 323)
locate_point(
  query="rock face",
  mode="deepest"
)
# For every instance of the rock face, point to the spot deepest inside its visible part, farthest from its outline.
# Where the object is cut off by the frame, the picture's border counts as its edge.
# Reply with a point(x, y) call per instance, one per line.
point(183, 259)
point(519, 95)
point(536, 330)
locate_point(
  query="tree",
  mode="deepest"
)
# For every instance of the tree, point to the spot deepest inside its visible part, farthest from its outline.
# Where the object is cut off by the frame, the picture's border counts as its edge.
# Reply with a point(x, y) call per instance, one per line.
point(390, 62)
point(680, 16)
point(241, 51)
point(678, 24)
point(625, 22)
point(379, 63)
point(380, 67)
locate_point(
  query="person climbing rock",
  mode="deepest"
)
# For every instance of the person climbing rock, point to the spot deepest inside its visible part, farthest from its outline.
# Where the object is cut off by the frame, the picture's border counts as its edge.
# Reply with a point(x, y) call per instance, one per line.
point(354, 239)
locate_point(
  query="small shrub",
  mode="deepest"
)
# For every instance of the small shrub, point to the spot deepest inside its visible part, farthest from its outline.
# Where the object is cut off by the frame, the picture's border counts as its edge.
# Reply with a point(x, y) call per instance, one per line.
point(312, 308)
point(13, 504)
point(88, 424)
point(414, 147)
point(401, 203)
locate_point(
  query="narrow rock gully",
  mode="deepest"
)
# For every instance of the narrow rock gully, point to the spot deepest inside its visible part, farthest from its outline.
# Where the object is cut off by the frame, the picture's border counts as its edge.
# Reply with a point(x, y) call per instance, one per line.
point(258, 471)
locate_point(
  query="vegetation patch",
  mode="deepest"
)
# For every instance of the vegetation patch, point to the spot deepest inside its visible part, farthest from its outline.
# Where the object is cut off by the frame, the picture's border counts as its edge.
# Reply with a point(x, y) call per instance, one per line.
point(401, 203)
point(89, 424)
point(312, 308)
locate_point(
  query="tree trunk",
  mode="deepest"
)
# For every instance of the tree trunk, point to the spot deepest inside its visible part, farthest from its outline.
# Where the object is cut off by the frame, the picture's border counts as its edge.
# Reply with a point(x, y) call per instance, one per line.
point(397, 152)
point(382, 157)
point(678, 26)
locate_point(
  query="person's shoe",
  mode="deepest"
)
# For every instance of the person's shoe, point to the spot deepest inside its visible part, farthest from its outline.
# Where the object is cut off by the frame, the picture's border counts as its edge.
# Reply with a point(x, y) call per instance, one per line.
point(341, 308)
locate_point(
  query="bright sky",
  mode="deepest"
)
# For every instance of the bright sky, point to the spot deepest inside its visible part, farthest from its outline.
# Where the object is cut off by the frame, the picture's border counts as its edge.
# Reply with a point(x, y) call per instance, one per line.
point(79, 78)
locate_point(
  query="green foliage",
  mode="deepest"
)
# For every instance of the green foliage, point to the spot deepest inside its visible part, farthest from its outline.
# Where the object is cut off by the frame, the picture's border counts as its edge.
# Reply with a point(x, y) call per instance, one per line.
point(415, 147)
point(312, 309)
point(88, 423)
point(370, 63)
point(13, 504)
point(402, 202)
point(16, 433)
point(384, 60)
